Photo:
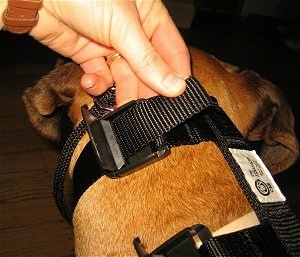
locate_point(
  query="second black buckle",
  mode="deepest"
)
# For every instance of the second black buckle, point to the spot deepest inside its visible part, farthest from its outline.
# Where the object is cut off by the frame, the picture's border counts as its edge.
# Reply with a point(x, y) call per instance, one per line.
point(183, 244)
point(107, 149)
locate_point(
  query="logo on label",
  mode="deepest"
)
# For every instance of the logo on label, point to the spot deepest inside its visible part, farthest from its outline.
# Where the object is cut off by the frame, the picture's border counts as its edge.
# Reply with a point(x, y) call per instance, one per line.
point(264, 188)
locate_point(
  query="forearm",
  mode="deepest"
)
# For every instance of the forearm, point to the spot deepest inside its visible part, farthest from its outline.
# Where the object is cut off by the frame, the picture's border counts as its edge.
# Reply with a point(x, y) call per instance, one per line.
point(3, 5)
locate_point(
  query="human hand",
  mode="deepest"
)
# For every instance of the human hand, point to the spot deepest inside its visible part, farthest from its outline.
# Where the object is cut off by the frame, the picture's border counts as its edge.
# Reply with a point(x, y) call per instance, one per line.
point(153, 52)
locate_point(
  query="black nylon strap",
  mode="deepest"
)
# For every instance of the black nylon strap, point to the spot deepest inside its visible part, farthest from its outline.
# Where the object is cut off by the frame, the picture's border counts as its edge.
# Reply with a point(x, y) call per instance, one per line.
point(277, 214)
point(192, 101)
point(258, 241)
point(222, 131)
point(85, 173)
point(62, 169)
point(87, 169)
point(149, 120)
point(108, 99)
point(196, 129)
point(165, 114)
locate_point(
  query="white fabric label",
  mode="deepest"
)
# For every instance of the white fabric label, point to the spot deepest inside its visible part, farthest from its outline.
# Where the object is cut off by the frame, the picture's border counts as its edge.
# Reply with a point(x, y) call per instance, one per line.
point(257, 176)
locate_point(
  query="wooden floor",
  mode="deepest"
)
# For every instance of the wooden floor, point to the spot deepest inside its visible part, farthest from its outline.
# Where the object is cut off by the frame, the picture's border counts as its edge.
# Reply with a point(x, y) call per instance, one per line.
point(30, 224)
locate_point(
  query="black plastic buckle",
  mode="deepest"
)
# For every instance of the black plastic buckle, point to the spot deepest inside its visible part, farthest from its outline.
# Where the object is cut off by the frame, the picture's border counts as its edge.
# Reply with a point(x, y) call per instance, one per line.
point(107, 149)
point(183, 244)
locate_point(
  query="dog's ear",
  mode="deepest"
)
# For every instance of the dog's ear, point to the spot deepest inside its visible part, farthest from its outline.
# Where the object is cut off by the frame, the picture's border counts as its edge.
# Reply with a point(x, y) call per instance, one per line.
point(274, 125)
point(60, 61)
point(45, 101)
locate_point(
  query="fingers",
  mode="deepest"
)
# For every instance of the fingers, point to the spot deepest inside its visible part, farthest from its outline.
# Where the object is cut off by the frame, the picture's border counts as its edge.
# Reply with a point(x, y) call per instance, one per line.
point(94, 84)
point(166, 39)
point(128, 85)
point(153, 71)
point(141, 31)
point(126, 82)
point(156, 66)
point(97, 78)
point(144, 60)
point(174, 51)
point(61, 38)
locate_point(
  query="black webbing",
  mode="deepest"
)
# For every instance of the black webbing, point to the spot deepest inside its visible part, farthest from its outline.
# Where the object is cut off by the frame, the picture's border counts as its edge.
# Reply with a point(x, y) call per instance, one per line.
point(108, 99)
point(257, 241)
point(144, 122)
point(150, 119)
point(277, 214)
point(62, 169)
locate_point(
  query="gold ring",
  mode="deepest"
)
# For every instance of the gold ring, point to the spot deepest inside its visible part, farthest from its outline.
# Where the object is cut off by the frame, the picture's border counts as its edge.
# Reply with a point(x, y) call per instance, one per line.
point(112, 57)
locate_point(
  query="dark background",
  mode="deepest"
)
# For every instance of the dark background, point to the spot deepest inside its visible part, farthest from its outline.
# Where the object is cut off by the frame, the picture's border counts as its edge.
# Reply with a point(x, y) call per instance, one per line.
point(30, 224)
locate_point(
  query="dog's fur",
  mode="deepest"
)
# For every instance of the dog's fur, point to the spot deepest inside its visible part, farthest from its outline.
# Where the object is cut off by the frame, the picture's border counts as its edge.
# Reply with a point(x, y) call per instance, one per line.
point(192, 185)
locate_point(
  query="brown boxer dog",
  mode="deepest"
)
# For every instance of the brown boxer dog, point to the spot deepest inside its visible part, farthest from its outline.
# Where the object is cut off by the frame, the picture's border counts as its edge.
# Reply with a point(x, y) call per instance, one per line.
point(194, 184)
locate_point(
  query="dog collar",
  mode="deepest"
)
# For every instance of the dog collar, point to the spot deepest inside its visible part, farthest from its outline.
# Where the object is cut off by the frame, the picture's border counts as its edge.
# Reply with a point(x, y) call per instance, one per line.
point(153, 121)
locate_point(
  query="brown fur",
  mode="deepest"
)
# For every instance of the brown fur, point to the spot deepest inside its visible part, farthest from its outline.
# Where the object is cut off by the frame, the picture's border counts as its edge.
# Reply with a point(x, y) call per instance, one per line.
point(192, 185)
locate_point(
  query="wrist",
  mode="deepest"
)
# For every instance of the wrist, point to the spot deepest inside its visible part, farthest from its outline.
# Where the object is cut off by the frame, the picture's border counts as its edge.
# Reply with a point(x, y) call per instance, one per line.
point(3, 6)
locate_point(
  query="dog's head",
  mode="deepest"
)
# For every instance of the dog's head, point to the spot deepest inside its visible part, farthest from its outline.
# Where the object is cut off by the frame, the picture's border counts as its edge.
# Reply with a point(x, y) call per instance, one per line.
point(257, 107)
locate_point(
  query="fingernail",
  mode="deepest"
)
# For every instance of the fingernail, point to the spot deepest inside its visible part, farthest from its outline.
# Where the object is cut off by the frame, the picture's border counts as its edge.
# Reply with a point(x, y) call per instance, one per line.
point(89, 84)
point(173, 84)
